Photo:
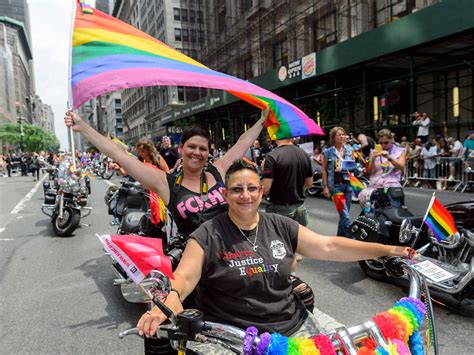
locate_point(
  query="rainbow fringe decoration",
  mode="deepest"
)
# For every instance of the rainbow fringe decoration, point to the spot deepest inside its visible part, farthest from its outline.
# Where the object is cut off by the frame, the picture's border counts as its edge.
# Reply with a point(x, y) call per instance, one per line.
point(439, 220)
point(109, 55)
point(356, 185)
point(399, 325)
point(339, 200)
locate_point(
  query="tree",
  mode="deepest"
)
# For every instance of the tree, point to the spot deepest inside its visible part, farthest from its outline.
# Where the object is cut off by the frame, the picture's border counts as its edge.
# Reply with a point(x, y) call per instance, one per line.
point(35, 139)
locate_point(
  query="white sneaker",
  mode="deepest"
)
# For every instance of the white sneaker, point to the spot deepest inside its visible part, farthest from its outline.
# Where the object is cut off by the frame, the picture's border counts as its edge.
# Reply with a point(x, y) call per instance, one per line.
point(450, 178)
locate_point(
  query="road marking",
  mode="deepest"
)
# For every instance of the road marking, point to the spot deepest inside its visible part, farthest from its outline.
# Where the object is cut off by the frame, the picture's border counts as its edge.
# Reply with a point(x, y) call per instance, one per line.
point(19, 217)
point(108, 182)
point(28, 197)
point(2, 229)
point(6, 239)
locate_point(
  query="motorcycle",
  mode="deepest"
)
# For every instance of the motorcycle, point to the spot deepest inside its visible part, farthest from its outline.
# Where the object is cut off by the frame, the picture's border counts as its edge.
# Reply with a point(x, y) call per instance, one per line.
point(65, 198)
point(189, 326)
point(448, 264)
point(104, 169)
point(130, 207)
point(317, 187)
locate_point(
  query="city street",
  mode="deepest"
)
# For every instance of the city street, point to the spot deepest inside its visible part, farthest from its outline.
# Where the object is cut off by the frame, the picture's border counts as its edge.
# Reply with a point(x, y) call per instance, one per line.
point(57, 294)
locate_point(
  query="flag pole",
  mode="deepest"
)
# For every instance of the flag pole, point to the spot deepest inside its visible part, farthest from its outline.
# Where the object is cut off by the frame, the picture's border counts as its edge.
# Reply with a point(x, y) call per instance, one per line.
point(69, 108)
point(429, 207)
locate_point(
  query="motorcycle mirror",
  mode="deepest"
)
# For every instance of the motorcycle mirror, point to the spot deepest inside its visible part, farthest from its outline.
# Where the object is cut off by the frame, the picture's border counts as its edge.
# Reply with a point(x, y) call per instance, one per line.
point(406, 231)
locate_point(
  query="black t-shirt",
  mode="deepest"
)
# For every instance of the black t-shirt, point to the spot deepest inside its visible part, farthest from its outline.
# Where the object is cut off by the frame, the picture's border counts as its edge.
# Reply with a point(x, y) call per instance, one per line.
point(243, 287)
point(186, 206)
point(288, 166)
point(170, 155)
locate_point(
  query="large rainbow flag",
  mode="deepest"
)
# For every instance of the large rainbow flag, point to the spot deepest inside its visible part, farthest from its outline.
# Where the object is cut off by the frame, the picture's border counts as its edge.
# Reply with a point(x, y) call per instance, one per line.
point(439, 220)
point(109, 55)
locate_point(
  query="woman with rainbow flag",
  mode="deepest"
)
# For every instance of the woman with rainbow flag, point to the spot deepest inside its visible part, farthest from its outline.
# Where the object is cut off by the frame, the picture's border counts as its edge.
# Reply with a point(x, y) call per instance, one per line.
point(338, 161)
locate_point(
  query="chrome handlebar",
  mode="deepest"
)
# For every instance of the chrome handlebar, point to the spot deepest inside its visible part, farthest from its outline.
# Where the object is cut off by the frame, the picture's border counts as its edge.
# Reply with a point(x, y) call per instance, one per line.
point(343, 339)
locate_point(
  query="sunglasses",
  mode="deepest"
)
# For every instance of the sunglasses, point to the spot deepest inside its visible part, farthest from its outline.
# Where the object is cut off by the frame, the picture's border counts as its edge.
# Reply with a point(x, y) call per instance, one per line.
point(386, 142)
point(239, 190)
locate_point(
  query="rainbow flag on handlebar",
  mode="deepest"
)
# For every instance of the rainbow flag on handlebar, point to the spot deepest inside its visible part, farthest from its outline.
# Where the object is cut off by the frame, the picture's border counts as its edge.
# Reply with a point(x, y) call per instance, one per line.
point(439, 220)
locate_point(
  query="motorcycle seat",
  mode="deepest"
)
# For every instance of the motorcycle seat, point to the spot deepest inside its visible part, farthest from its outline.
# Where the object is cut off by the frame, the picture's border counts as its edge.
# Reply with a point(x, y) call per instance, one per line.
point(397, 215)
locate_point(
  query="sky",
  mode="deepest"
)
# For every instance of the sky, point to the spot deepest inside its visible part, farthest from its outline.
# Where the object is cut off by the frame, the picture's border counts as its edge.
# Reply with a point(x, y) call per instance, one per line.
point(51, 22)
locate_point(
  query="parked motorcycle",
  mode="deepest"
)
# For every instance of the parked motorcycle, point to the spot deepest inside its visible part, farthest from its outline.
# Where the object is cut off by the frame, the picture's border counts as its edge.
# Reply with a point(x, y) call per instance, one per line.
point(190, 326)
point(65, 198)
point(448, 264)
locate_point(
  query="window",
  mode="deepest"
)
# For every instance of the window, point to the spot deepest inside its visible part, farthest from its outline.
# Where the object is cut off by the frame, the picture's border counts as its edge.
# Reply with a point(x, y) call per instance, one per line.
point(192, 16)
point(180, 93)
point(177, 34)
point(199, 16)
point(280, 54)
point(246, 5)
point(192, 37)
point(248, 70)
point(176, 13)
point(184, 15)
point(185, 35)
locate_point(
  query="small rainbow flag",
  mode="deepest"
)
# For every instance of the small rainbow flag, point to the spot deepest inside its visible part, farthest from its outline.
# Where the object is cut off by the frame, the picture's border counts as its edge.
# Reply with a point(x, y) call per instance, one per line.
point(339, 200)
point(439, 220)
point(110, 55)
point(356, 185)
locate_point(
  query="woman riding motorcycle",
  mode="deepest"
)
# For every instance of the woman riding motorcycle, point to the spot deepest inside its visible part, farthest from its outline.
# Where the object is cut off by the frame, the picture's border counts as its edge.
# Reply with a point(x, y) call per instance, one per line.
point(240, 263)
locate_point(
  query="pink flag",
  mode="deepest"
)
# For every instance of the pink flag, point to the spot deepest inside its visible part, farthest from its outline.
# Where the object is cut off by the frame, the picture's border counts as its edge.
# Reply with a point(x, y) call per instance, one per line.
point(137, 255)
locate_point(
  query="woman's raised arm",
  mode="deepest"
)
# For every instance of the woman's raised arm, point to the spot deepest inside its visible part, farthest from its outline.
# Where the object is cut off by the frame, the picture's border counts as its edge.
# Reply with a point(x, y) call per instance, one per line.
point(152, 179)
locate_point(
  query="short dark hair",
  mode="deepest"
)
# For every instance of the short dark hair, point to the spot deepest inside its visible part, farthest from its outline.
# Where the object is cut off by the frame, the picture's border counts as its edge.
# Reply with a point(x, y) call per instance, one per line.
point(196, 131)
point(238, 165)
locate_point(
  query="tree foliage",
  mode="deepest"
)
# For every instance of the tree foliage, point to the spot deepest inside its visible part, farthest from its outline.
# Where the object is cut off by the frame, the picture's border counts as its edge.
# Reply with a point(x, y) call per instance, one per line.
point(35, 139)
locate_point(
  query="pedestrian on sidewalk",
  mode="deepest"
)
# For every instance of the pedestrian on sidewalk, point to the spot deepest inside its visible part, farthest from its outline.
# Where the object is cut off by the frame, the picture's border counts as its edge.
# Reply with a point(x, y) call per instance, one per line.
point(35, 166)
point(24, 164)
point(338, 161)
point(423, 122)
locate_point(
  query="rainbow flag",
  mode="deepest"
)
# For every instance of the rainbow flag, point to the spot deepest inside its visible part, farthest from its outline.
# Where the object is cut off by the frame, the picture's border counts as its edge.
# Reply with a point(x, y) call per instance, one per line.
point(339, 200)
point(109, 55)
point(439, 220)
point(356, 185)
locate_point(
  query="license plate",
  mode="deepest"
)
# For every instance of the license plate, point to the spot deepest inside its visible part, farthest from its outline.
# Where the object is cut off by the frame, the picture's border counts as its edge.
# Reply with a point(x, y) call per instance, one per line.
point(433, 271)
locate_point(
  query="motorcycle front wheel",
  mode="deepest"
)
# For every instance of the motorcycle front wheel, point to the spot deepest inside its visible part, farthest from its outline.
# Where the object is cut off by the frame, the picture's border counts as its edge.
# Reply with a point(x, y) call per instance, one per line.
point(107, 174)
point(64, 227)
point(314, 191)
point(374, 269)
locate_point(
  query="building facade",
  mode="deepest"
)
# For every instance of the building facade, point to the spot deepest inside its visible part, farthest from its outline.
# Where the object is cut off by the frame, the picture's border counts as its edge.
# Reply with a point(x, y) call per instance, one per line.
point(17, 59)
point(113, 108)
point(334, 59)
point(180, 24)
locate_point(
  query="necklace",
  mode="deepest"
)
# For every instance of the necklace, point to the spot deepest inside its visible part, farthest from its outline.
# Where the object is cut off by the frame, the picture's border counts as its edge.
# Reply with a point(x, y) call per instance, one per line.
point(254, 243)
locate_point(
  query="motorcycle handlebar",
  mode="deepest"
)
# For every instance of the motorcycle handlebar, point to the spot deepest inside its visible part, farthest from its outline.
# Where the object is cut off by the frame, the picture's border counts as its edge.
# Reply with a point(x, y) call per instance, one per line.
point(342, 338)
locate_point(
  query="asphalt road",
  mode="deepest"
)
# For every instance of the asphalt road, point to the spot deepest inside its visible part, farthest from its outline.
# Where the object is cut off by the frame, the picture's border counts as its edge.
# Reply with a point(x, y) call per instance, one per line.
point(57, 295)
